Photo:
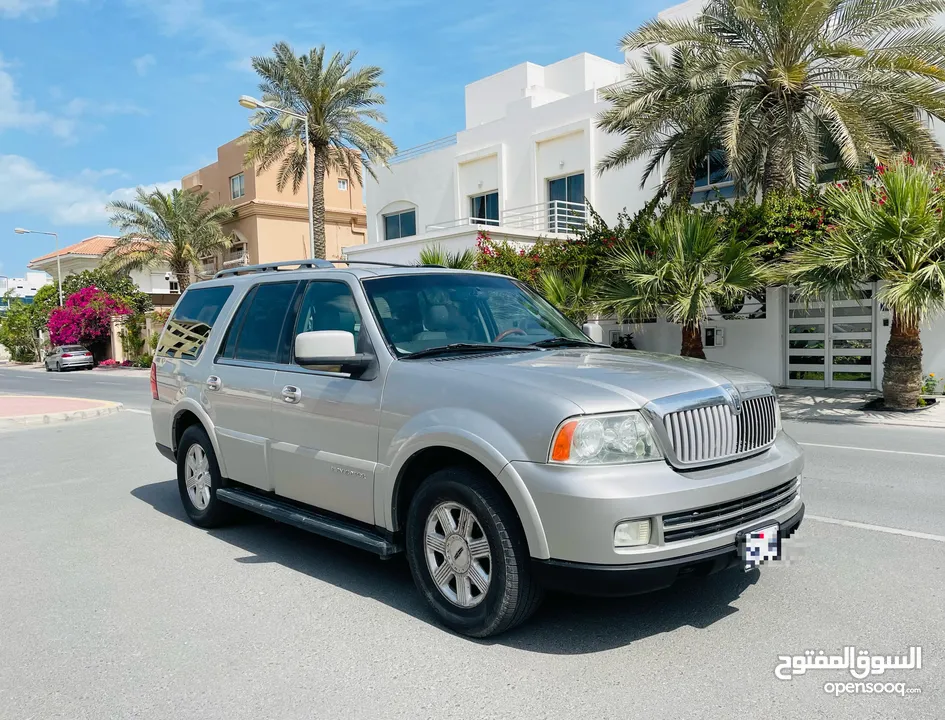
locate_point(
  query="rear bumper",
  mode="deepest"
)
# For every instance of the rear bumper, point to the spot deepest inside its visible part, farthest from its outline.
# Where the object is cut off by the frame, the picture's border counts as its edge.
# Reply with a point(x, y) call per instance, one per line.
point(622, 580)
point(76, 362)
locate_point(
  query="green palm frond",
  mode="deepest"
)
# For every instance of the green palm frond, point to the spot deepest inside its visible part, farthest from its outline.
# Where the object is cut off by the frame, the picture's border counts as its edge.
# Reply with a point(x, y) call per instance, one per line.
point(684, 269)
point(174, 228)
point(774, 81)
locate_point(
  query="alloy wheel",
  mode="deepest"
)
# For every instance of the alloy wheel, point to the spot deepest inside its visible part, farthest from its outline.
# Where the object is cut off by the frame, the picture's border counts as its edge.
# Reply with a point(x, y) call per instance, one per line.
point(458, 555)
point(197, 477)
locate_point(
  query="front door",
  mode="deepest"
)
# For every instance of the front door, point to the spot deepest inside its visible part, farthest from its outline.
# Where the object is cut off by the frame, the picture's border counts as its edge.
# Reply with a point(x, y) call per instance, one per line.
point(831, 343)
point(325, 423)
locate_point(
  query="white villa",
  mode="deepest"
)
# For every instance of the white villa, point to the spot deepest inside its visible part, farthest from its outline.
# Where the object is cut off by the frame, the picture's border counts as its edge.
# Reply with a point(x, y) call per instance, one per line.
point(524, 167)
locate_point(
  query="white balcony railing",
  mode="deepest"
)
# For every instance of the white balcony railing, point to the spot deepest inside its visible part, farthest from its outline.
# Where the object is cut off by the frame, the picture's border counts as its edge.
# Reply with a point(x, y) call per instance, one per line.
point(419, 150)
point(461, 222)
point(555, 216)
point(232, 259)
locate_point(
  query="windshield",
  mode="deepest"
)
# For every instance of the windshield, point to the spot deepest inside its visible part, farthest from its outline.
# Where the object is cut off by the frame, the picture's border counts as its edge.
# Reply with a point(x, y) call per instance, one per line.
point(418, 312)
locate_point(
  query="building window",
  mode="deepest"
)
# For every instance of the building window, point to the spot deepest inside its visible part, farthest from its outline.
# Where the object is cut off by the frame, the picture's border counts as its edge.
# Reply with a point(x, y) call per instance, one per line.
point(484, 209)
point(566, 209)
point(237, 189)
point(174, 286)
point(343, 184)
point(712, 181)
point(400, 225)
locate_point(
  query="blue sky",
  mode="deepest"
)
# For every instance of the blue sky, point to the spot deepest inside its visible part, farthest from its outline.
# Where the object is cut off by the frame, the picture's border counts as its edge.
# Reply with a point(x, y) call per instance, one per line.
point(99, 96)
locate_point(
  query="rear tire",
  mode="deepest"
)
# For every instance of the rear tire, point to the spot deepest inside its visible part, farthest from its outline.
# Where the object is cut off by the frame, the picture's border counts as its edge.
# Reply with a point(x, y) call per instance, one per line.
point(476, 573)
point(198, 479)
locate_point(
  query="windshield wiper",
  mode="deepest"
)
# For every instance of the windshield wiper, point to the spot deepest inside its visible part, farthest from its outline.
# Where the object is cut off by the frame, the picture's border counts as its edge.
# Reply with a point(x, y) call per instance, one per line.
point(555, 342)
point(463, 347)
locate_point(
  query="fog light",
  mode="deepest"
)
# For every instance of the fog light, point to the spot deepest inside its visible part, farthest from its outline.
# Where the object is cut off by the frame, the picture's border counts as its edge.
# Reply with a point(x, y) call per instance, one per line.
point(632, 533)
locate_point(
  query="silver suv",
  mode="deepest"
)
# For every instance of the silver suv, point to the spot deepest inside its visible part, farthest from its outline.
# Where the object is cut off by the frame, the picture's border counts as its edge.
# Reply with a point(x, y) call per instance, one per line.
point(458, 417)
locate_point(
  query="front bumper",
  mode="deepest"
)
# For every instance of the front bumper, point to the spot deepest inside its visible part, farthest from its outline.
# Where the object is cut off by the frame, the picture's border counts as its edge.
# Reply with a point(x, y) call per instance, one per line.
point(622, 580)
point(578, 507)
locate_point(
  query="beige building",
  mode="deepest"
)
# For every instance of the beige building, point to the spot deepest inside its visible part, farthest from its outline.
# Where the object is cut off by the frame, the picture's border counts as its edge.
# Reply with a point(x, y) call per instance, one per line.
point(273, 225)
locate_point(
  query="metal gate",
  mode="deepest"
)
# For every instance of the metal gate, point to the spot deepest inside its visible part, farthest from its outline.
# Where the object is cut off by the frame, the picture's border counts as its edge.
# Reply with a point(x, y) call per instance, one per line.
point(832, 343)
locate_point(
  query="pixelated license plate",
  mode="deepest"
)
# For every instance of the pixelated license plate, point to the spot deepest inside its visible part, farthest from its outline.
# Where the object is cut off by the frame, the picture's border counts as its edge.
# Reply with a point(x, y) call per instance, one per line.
point(760, 546)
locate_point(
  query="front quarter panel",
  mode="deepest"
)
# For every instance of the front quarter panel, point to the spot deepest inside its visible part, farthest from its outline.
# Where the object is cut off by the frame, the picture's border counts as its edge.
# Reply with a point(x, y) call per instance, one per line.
point(438, 404)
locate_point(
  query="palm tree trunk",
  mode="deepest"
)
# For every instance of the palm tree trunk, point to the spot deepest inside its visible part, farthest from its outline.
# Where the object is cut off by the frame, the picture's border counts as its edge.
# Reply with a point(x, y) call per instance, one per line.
point(182, 273)
point(318, 200)
point(692, 342)
point(902, 369)
point(775, 178)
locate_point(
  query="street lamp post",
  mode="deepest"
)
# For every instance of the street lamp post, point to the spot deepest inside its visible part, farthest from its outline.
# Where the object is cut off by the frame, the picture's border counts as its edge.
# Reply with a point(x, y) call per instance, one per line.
point(251, 103)
point(23, 231)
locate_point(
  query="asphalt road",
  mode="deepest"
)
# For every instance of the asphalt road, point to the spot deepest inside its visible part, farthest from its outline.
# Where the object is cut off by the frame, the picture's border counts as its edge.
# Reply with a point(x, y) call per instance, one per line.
point(113, 606)
point(133, 391)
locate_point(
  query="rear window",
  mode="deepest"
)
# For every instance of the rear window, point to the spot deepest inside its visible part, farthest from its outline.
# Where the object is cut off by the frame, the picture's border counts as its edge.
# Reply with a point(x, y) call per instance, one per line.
point(72, 348)
point(190, 324)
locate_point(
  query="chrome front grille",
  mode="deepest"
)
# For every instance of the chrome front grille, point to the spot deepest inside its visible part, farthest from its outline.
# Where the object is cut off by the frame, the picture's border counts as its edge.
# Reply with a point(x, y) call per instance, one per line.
point(712, 519)
point(716, 433)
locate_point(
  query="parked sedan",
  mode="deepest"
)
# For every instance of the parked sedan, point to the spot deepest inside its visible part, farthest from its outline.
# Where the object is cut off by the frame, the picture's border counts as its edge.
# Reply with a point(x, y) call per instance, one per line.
point(66, 357)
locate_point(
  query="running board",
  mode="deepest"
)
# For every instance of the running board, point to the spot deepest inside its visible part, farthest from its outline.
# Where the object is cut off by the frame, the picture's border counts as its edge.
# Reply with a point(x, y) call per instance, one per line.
point(314, 522)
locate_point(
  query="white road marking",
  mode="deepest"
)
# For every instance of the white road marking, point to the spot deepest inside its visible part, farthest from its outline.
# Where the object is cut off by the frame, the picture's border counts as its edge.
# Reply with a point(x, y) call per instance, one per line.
point(136, 410)
point(850, 447)
point(877, 528)
point(104, 382)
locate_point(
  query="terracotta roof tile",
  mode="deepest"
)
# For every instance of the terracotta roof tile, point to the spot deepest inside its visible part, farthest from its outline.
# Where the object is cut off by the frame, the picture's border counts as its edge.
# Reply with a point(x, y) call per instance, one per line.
point(95, 245)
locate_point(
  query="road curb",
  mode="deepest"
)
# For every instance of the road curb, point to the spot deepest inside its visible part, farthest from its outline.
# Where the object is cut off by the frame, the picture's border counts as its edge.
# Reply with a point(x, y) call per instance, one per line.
point(853, 420)
point(53, 418)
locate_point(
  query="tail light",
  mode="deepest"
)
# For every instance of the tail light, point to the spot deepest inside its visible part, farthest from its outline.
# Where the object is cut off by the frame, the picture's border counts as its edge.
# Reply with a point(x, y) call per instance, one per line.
point(65, 355)
point(154, 389)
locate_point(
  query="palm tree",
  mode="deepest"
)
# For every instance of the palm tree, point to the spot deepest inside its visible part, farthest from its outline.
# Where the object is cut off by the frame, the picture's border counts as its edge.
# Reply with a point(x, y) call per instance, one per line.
point(571, 290)
point(438, 255)
point(779, 83)
point(890, 230)
point(679, 139)
point(338, 101)
point(683, 268)
point(173, 228)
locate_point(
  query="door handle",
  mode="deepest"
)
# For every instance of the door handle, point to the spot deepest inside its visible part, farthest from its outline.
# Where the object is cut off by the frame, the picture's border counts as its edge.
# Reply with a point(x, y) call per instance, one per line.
point(291, 394)
point(214, 383)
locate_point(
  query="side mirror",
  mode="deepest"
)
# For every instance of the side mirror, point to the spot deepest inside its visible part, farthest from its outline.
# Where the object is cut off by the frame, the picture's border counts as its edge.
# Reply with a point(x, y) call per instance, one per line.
point(594, 331)
point(329, 348)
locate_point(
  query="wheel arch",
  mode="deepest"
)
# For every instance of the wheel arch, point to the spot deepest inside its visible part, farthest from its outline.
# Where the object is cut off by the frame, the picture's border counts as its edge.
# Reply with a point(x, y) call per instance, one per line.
point(426, 460)
point(187, 415)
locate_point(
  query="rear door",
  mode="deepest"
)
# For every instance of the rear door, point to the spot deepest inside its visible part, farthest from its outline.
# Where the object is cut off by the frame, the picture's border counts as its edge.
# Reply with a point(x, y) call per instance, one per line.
point(240, 384)
point(325, 423)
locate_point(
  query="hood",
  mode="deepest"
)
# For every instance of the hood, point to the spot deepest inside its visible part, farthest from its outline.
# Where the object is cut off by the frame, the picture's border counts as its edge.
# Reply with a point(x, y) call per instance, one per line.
point(609, 380)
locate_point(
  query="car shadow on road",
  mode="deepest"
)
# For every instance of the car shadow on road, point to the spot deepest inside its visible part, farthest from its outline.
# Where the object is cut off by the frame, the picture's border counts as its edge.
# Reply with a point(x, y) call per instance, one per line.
point(564, 625)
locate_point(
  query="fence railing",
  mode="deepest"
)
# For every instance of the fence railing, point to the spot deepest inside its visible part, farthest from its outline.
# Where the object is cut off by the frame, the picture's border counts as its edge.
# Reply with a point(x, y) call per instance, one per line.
point(461, 222)
point(557, 216)
point(419, 150)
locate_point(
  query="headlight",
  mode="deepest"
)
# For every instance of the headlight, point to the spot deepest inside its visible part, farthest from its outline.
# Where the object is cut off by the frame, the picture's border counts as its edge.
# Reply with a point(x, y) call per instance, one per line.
point(604, 440)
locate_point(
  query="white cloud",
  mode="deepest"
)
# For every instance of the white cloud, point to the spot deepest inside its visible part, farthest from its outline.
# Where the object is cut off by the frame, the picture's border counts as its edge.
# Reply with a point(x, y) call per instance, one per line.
point(27, 188)
point(28, 8)
point(189, 17)
point(17, 113)
point(144, 63)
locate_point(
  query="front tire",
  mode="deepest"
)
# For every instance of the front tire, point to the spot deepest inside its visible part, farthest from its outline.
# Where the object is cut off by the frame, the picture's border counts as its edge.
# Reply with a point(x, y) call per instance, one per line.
point(58, 367)
point(198, 478)
point(468, 556)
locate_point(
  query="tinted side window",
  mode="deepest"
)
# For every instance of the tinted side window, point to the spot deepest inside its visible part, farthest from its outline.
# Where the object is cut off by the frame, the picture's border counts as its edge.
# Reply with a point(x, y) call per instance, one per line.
point(262, 329)
point(329, 306)
point(228, 348)
point(189, 327)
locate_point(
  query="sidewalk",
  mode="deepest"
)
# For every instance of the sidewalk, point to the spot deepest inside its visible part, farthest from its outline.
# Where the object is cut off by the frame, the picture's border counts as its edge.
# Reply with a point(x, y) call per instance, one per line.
point(813, 405)
point(20, 410)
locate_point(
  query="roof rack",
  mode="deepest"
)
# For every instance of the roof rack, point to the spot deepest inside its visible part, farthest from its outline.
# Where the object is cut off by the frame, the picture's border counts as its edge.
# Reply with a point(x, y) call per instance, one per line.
point(316, 264)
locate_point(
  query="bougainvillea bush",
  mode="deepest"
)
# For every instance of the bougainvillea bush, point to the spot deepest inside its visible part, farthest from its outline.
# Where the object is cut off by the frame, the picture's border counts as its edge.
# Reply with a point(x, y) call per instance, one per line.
point(85, 317)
